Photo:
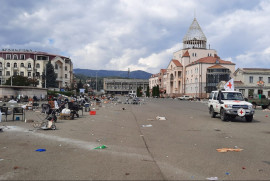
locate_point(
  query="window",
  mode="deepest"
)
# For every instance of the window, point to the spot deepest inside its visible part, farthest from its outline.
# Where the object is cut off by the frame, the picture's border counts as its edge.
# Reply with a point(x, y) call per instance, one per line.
point(21, 73)
point(0, 73)
point(29, 74)
point(268, 77)
point(1, 65)
point(22, 57)
point(66, 76)
point(56, 66)
point(250, 79)
point(29, 65)
point(8, 57)
point(15, 73)
point(38, 65)
point(260, 78)
point(38, 74)
point(8, 73)
point(15, 65)
point(15, 57)
point(56, 75)
point(8, 64)
point(65, 67)
point(22, 64)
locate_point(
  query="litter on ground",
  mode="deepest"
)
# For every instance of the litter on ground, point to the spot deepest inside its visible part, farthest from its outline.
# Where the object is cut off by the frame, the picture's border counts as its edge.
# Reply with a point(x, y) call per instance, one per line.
point(223, 150)
point(147, 126)
point(212, 178)
point(41, 150)
point(160, 118)
point(100, 147)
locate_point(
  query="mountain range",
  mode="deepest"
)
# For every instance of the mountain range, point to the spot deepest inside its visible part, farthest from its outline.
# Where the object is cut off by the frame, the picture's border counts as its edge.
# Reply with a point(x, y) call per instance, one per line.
point(138, 74)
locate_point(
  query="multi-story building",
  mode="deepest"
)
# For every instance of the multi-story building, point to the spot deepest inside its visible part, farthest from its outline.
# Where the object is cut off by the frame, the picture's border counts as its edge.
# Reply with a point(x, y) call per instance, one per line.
point(196, 70)
point(124, 86)
point(252, 81)
point(32, 64)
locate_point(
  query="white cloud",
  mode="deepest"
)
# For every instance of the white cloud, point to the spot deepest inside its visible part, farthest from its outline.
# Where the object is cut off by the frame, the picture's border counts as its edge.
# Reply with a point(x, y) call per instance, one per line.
point(136, 34)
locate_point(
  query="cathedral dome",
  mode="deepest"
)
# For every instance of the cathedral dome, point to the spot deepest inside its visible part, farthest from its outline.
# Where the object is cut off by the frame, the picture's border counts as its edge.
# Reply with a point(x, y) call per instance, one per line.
point(195, 37)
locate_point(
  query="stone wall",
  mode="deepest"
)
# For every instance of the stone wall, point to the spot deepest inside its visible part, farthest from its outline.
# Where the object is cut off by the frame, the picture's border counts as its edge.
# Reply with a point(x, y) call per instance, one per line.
point(10, 91)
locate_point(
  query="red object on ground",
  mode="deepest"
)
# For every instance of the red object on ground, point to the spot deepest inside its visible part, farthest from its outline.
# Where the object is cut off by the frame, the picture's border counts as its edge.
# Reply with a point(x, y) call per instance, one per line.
point(266, 115)
point(92, 112)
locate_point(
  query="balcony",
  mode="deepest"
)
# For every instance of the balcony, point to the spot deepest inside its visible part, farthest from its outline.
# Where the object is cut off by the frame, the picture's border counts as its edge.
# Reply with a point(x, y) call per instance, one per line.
point(29, 69)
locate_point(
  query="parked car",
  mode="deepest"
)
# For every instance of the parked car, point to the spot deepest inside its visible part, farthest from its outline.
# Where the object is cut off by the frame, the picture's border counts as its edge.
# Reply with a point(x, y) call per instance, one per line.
point(259, 100)
point(185, 97)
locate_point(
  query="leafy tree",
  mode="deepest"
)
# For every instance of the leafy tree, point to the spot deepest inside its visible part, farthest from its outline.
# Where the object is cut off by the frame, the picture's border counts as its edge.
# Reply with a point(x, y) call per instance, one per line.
point(50, 75)
point(147, 92)
point(157, 93)
point(19, 80)
point(79, 85)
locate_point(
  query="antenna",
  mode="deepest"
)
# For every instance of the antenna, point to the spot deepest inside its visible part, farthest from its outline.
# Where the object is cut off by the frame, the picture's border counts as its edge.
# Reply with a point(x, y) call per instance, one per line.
point(128, 72)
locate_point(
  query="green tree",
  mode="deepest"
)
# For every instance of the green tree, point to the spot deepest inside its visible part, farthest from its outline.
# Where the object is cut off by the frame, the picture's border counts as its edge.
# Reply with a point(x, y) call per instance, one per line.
point(19, 80)
point(79, 85)
point(157, 93)
point(50, 76)
point(147, 92)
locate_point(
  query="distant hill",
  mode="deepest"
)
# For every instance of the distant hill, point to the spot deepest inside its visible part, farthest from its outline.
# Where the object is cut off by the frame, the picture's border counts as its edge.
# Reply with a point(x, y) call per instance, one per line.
point(138, 74)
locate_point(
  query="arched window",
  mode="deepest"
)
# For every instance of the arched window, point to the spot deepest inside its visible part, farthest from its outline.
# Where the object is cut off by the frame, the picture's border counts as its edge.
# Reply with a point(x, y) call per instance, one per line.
point(56, 66)
point(15, 57)
point(15, 65)
point(29, 65)
point(22, 64)
point(8, 64)
point(37, 65)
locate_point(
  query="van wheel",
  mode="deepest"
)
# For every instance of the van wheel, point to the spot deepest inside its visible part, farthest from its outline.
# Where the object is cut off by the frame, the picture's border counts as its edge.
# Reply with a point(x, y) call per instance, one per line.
point(223, 115)
point(249, 118)
point(212, 112)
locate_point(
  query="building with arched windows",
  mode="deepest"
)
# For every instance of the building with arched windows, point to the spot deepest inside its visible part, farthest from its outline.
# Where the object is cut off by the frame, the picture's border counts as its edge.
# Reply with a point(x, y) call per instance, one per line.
point(196, 70)
point(32, 64)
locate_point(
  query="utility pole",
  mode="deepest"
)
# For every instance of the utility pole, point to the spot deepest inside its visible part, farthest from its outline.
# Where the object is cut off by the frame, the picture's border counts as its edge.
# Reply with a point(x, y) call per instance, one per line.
point(45, 76)
point(96, 81)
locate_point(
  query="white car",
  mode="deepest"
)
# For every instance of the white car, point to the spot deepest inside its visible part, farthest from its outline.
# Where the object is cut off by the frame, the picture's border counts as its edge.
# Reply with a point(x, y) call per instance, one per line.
point(185, 97)
point(229, 104)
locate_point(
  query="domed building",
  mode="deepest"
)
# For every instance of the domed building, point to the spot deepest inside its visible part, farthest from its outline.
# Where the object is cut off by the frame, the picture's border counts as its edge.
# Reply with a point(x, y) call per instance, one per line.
point(196, 70)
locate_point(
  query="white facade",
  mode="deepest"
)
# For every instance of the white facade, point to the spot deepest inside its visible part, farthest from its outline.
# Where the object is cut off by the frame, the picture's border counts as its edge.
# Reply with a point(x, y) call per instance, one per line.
point(247, 81)
point(32, 64)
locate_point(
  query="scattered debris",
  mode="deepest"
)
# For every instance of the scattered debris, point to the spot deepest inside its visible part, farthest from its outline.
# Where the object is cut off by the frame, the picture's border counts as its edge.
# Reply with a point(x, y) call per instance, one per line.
point(223, 150)
point(124, 108)
point(1, 159)
point(29, 120)
point(41, 150)
point(127, 173)
point(100, 147)
point(227, 173)
point(147, 126)
point(243, 168)
point(92, 112)
point(212, 178)
point(266, 116)
point(160, 118)
point(260, 170)
point(217, 129)
point(16, 167)
point(150, 119)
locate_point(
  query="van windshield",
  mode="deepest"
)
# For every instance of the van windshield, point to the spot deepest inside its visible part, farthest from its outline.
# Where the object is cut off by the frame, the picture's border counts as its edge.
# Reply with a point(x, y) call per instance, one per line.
point(232, 96)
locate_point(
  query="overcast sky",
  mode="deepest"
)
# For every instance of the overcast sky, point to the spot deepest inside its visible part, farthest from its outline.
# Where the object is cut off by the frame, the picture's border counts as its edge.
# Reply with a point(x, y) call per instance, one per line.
point(136, 34)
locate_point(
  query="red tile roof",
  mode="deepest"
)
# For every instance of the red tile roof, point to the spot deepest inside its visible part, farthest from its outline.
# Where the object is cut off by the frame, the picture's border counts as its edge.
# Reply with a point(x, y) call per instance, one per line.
point(216, 66)
point(186, 54)
point(177, 63)
point(163, 71)
point(211, 60)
